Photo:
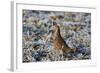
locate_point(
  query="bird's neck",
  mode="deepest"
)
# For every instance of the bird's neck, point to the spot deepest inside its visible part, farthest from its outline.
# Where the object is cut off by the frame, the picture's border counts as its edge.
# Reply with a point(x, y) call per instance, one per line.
point(57, 32)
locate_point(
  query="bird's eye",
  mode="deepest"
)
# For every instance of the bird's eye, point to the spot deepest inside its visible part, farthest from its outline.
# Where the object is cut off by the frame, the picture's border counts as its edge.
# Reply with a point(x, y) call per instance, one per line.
point(54, 23)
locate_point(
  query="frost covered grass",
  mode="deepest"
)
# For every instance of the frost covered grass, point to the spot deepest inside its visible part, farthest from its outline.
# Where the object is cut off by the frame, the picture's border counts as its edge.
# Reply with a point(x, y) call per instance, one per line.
point(75, 28)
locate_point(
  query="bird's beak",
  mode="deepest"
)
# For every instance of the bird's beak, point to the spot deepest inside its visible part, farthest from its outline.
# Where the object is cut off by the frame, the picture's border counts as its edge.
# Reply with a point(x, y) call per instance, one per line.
point(54, 23)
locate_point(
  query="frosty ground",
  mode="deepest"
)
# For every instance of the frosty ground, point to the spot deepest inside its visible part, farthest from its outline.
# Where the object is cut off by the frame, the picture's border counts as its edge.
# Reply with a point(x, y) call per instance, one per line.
point(75, 29)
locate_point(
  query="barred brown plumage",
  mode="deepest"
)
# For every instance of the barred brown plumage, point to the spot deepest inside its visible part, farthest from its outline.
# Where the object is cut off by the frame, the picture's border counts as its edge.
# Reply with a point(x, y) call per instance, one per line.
point(58, 41)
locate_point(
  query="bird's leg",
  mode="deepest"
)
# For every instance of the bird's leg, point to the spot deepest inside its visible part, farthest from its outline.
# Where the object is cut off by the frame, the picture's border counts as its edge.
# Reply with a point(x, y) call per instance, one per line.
point(57, 54)
point(61, 54)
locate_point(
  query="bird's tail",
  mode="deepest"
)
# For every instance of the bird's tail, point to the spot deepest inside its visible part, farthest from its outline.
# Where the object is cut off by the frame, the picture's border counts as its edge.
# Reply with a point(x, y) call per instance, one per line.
point(69, 50)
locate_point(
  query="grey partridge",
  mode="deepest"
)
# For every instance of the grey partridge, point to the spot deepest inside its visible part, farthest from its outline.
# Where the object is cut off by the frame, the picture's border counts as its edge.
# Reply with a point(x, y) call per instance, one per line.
point(58, 41)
